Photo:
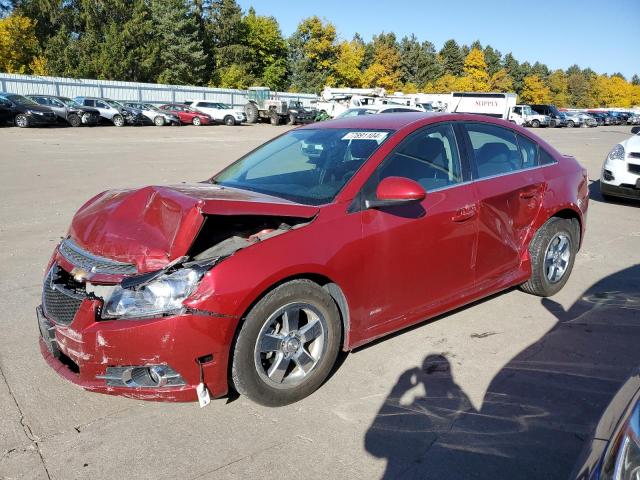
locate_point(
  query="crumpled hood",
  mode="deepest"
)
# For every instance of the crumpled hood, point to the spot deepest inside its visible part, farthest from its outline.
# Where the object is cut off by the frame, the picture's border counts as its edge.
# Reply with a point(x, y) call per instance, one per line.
point(154, 225)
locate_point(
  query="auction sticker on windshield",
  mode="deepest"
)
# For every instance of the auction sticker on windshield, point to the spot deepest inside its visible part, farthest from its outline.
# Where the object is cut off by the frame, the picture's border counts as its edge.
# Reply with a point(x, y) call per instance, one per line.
point(377, 136)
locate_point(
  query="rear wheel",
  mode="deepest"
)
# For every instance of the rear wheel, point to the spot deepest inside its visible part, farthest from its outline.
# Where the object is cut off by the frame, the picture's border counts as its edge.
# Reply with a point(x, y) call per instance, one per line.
point(287, 345)
point(251, 110)
point(196, 121)
point(22, 121)
point(229, 121)
point(552, 252)
point(292, 119)
point(158, 121)
point(571, 124)
point(118, 120)
point(74, 120)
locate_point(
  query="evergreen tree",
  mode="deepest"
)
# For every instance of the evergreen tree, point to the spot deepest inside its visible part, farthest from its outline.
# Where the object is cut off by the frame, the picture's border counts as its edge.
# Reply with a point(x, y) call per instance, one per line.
point(635, 80)
point(179, 58)
point(312, 52)
point(452, 58)
point(493, 58)
point(418, 62)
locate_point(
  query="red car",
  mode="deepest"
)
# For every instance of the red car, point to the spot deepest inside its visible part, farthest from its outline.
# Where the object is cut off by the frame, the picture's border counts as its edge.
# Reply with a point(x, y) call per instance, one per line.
point(188, 115)
point(325, 238)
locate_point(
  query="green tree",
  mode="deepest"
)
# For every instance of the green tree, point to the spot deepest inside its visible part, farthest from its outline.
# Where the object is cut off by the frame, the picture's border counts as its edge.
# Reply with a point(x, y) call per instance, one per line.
point(228, 33)
point(493, 58)
point(635, 80)
point(180, 58)
point(347, 66)
point(452, 58)
point(580, 86)
point(475, 69)
point(267, 49)
point(418, 62)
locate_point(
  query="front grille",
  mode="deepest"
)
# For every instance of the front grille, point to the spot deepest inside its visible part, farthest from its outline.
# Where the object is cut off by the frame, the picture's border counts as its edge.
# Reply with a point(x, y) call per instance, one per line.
point(93, 263)
point(633, 168)
point(61, 296)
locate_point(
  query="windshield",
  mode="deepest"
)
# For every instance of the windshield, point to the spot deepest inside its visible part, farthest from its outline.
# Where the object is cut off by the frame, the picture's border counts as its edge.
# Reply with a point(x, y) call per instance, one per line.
point(114, 104)
point(69, 103)
point(354, 112)
point(527, 110)
point(21, 100)
point(305, 166)
point(148, 106)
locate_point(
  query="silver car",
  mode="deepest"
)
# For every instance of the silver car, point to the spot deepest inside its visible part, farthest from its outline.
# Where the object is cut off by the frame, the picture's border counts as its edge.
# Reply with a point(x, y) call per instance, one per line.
point(158, 117)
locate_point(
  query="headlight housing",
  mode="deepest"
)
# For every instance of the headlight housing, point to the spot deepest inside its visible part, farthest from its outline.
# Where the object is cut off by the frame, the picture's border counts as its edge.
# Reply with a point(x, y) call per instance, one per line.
point(161, 296)
point(616, 153)
point(623, 460)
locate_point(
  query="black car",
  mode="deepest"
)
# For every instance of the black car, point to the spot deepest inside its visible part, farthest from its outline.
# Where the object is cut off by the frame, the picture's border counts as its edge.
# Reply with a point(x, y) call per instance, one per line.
point(601, 118)
point(299, 114)
point(557, 119)
point(68, 110)
point(24, 112)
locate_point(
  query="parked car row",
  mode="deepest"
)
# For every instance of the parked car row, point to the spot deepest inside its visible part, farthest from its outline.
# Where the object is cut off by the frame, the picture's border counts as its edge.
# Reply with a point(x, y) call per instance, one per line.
point(35, 110)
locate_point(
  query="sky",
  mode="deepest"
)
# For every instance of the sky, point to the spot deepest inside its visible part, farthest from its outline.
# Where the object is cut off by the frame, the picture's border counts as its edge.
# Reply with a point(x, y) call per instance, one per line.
point(603, 35)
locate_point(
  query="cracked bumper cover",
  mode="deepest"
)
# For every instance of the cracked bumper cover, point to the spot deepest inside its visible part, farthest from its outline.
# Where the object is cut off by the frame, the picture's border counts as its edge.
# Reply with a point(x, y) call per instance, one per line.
point(176, 341)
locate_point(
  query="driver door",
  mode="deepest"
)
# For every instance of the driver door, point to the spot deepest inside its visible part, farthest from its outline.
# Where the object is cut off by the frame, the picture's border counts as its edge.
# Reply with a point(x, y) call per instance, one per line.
point(419, 258)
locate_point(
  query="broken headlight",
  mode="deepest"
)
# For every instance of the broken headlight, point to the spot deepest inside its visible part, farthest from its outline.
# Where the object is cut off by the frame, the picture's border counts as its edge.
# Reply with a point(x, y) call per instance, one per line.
point(161, 296)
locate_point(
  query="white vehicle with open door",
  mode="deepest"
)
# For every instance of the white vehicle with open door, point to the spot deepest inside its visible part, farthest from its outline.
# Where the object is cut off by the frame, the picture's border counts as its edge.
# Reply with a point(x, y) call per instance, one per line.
point(523, 115)
point(220, 112)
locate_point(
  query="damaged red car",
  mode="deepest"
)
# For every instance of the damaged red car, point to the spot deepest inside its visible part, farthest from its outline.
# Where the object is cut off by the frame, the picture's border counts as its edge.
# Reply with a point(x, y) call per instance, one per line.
point(323, 239)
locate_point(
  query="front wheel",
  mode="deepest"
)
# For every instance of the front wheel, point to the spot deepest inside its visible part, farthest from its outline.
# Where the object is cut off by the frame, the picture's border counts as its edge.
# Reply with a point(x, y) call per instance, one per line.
point(535, 123)
point(22, 121)
point(552, 251)
point(287, 345)
point(274, 118)
point(118, 120)
point(74, 120)
point(571, 124)
point(229, 121)
point(196, 121)
point(158, 121)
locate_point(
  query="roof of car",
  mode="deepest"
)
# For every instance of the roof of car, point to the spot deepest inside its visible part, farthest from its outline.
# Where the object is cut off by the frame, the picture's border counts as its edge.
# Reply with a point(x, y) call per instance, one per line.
point(389, 121)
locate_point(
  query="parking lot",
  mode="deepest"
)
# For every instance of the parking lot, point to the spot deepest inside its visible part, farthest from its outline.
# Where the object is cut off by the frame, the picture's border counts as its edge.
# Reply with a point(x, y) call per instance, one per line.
point(506, 388)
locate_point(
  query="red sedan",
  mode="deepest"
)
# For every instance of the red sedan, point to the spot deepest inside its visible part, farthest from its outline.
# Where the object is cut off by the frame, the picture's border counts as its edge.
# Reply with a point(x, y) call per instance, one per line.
point(325, 238)
point(187, 115)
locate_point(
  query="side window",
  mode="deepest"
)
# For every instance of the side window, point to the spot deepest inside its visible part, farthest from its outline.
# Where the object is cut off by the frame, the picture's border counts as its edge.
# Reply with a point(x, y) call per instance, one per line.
point(495, 149)
point(55, 103)
point(528, 151)
point(100, 104)
point(545, 158)
point(89, 103)
point(429, 156)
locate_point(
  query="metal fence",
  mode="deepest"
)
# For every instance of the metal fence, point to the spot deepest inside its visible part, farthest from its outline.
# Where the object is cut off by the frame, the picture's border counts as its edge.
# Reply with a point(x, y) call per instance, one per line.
point(130, 91)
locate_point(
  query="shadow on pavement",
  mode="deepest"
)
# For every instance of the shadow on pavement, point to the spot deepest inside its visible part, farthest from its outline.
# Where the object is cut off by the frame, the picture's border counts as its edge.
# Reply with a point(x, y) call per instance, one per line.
point(537, 410)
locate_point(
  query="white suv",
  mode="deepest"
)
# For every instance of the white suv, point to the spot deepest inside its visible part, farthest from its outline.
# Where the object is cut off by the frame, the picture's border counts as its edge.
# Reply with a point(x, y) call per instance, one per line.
point(220, 112)
point(621, 170)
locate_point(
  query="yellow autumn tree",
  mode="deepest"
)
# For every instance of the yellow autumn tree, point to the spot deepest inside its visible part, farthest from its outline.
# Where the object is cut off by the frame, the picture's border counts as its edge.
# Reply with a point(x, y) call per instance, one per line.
point(18, 45)
point(346, 68)
point(534, 90)
point(385, 69)
point(501, 81)
point(558, 86)
point(475, 69)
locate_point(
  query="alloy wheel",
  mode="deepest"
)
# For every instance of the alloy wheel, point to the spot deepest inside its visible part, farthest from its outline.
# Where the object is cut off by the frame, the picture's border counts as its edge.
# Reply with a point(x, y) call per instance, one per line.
point(556, 257)
point(290, 344)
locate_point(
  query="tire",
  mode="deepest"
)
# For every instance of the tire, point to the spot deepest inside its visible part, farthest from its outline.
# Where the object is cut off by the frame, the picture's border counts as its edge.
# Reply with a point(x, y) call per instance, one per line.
point(196, 121)
point(229, 121)
point(571, 124)
point(74, 120)
point(251, 110)
point(118, 120)
point(550, 270)
point(292, 119)
point(254, 369)
point(535, 123)
point(274, 118)
point(158, 121)
point(22, 121)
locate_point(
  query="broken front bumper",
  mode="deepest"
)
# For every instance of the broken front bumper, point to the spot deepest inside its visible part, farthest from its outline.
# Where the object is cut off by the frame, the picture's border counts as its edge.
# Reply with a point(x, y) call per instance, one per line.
point(88, 351)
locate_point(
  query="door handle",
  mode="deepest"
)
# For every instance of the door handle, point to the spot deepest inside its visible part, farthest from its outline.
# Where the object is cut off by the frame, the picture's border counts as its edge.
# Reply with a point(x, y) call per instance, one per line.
point(465, 213)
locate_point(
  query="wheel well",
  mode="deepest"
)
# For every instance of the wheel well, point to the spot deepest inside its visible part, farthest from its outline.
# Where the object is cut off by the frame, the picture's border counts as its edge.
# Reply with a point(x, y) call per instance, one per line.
point(328, 285)
point(571, 215)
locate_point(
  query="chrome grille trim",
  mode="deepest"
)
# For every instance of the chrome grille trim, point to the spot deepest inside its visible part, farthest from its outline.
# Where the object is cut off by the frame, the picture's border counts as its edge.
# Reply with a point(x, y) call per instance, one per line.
point(93, 263)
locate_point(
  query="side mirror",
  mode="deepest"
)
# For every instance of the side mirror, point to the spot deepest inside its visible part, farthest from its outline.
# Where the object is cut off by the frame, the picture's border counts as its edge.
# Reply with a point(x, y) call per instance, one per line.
point(395, 191)
point(635, 130)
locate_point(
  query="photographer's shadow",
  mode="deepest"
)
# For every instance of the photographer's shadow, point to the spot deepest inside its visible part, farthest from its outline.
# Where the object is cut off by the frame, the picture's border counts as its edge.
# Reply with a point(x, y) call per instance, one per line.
point(538, 409)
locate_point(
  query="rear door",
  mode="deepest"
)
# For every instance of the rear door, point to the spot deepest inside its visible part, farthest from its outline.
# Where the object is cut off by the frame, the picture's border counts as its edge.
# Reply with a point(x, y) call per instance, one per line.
point(419, 257)
point(509, 188)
